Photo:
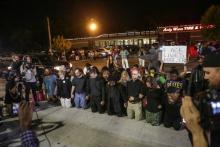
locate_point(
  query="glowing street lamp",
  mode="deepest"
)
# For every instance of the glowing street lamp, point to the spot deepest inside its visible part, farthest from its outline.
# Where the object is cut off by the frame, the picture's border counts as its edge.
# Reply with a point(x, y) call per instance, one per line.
point(93, 26)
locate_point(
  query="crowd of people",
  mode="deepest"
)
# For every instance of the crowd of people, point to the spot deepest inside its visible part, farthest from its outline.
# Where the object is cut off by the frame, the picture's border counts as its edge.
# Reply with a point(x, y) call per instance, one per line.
point(137, 92)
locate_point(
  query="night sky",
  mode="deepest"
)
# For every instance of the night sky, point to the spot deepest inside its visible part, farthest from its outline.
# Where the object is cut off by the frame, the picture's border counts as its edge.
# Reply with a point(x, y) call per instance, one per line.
point(69, 17)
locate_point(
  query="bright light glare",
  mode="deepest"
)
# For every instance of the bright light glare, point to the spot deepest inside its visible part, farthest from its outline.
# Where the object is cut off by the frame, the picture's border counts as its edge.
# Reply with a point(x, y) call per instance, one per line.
point(93, 26)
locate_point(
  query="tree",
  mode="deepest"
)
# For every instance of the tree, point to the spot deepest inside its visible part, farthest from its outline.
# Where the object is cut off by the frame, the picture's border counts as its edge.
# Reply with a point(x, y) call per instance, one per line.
point(60, 44)
point(211, 16)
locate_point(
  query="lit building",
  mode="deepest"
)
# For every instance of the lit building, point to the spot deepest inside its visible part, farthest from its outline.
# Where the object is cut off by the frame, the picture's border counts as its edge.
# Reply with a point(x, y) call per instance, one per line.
point(179, 34)
point(120, 39)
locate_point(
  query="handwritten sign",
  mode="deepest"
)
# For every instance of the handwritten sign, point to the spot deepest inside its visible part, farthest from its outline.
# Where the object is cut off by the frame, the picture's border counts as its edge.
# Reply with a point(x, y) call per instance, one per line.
point(174, 54)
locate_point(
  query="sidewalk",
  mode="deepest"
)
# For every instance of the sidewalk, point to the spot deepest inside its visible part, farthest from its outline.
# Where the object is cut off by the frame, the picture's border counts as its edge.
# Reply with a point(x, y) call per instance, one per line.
point(81, 128)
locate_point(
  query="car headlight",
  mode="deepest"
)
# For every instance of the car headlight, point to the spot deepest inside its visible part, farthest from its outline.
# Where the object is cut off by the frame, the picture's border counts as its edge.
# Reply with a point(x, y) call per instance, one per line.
point(9, 67)
point(71, 65)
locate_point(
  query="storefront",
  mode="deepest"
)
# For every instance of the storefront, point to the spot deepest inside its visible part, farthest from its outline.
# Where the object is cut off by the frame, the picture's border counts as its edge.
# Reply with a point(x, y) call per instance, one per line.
point(182, 34)
point(118, 39)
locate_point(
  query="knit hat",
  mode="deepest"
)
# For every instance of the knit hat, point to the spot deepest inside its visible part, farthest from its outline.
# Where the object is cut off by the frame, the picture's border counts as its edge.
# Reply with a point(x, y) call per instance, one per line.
point(212, 60)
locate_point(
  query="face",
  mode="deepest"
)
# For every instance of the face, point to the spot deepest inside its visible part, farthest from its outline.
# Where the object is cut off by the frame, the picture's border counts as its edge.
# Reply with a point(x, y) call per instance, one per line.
point(174, 96)
point(152, 72)
point(134, 75)
point(148, 84)
point(93, 75)
point(61, 75)
point(213, 76)
point(77, 73)
point(105, 74)
point(28, 59)
point(173, 77)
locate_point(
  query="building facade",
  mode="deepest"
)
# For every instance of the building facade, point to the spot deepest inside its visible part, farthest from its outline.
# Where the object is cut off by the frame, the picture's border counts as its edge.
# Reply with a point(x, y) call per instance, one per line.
point(182, 34)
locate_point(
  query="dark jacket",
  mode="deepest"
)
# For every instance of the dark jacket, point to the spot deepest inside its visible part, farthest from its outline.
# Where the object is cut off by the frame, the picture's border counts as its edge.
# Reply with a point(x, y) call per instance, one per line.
point(123, 91)
point(114, 99)
point(172, 110)
point(134, 88)
point(64, 88)
point(96, 87)
point(154, 99)
point(197, 82)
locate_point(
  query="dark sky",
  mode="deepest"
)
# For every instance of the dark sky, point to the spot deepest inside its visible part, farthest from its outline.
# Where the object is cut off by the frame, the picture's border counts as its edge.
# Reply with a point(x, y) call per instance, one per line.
point(69, 17)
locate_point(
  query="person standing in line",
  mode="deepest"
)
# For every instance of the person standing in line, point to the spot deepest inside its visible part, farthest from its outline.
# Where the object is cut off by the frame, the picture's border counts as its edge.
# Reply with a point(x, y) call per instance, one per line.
point(96, 91)
point(79, 89)
point(135, 93)
point(64, 90)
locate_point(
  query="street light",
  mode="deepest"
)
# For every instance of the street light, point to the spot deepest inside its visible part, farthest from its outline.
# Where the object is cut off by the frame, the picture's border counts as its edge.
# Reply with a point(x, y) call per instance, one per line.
point(93, 26)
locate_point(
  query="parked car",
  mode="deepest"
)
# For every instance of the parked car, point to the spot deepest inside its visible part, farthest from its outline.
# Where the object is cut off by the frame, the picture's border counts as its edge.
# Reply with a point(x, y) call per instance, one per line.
point(101, 53)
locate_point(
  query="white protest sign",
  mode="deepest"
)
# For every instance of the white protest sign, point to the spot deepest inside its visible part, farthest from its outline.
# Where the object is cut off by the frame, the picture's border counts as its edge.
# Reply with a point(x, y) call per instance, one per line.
point(174, 54)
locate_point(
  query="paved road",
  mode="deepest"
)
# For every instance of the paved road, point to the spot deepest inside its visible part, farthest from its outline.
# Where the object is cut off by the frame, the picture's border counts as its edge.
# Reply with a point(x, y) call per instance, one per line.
point(82, 128)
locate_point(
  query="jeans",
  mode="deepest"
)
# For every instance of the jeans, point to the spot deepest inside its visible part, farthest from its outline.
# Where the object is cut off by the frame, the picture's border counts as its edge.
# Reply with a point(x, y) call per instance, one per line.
point(29, 86)
point(80, 100)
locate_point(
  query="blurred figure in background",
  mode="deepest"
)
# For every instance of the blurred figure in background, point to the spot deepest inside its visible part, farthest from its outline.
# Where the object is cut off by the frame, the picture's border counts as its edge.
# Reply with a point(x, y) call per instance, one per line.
point(49, 82)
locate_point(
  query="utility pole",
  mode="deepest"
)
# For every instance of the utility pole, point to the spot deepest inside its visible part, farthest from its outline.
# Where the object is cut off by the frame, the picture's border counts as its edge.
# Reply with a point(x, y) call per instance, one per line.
point(49, 35)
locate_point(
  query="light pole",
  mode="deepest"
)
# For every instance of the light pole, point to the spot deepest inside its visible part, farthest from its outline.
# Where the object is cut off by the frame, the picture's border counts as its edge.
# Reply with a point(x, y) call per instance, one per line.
point(92, 27)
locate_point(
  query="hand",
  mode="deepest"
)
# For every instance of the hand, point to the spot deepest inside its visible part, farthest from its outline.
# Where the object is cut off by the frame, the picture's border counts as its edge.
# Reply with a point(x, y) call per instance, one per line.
point(141, 96)
point(87, 97)
point(131, 98)
point(25, 114)
point(159, 106)
point(72, 96)
point(102, 103)
point(125, 105)
point(191, 115)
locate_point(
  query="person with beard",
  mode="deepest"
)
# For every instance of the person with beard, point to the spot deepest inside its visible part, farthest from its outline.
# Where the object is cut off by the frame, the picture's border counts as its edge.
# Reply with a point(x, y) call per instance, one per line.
point(135, 92)
point(201, 120)
point(114, 98)
point(79, 89)
point(96, 91)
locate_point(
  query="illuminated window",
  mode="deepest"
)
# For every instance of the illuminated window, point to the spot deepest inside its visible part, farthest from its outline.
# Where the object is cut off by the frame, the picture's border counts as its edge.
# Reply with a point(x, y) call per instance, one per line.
point(146, 40)
point(135, 41)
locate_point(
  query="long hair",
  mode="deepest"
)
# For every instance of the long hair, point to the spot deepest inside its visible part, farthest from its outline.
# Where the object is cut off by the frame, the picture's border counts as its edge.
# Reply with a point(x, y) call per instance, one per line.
point(123, 74)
